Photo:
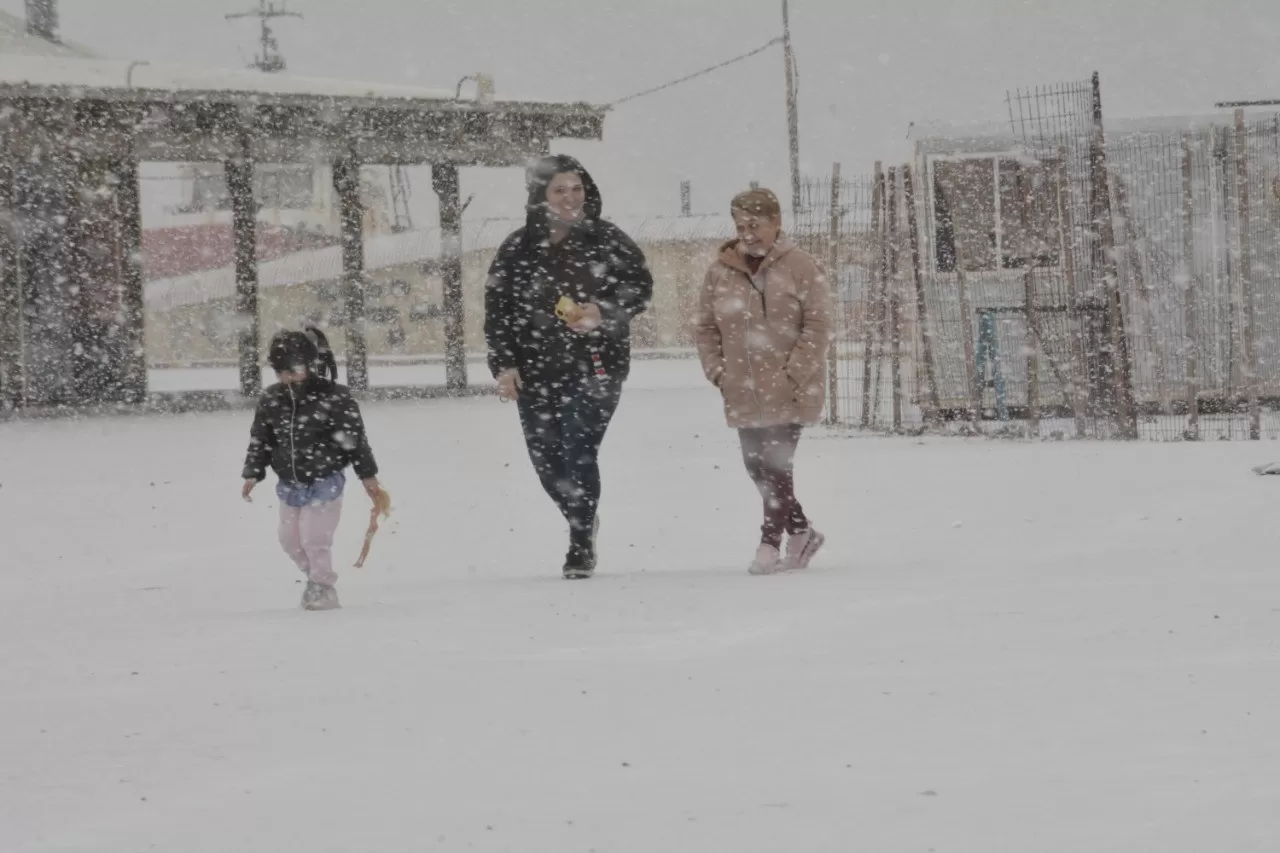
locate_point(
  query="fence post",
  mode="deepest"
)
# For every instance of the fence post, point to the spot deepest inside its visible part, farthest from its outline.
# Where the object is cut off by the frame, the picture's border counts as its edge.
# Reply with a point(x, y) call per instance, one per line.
point(1246, 280)
point(1188, 283)
point(877, 248)
point(1075, 323)
point(833, 282)
point(973, 389)
point(882, 295)
point(1226, 267)
point(882, 300)
point(11, 368)
point(1125, 411)
point(1029, 302)
point(922, 309)
point(895, 301)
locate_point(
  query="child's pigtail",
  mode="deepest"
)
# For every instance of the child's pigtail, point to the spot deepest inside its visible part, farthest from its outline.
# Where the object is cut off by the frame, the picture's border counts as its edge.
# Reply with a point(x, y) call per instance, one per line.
point(327, 363)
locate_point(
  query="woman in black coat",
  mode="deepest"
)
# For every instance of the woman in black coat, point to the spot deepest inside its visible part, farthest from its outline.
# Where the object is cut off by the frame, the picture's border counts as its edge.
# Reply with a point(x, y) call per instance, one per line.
point(559, 302)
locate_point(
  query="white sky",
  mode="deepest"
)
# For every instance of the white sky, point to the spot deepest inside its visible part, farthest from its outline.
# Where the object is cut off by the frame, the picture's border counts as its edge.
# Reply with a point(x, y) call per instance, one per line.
point(867, 69)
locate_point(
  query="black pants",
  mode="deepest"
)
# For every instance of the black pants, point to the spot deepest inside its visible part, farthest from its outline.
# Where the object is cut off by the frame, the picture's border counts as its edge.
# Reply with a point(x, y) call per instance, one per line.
point(564, 424)
point(769, 454)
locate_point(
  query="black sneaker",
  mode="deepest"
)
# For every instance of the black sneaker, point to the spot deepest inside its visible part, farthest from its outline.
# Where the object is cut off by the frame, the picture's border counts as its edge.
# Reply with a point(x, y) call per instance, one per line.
point(579, 563)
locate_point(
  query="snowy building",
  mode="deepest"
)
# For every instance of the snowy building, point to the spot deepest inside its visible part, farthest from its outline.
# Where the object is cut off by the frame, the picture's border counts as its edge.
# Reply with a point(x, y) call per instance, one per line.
point(1193, 219)
point(77, 132)
point(187, 206)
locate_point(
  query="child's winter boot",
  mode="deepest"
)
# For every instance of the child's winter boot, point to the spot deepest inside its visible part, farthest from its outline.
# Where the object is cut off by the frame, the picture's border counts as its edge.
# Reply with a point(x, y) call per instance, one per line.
point(319, 597)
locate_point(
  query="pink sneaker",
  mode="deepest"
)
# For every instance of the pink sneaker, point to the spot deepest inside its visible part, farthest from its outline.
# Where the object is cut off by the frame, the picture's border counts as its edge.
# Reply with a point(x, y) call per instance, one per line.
point(767, 562)
point(801, 548)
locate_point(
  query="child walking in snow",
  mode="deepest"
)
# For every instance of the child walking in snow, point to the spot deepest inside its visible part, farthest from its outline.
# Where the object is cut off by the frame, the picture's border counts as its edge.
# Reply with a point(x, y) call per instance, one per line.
point(308, 429)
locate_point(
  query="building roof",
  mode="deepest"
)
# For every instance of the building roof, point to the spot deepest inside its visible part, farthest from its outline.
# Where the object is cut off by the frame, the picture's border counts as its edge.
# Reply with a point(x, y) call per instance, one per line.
point(176, 113)
point(409, 247)
point(16, 41)
point(119, 79)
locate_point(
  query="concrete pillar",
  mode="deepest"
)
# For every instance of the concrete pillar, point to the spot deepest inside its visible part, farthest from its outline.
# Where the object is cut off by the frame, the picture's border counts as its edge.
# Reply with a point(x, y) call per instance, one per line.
point(132, 334)
point(244, 225)
point(444, 179)
point(50, 264)
point(346, 182)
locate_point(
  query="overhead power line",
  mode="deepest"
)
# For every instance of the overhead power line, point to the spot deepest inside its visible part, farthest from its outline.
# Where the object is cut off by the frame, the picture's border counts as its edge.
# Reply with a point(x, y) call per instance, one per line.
point(761, 49)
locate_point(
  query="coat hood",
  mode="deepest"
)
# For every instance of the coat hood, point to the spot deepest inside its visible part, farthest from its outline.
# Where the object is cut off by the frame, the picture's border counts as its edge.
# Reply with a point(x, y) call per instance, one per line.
point(538, 176)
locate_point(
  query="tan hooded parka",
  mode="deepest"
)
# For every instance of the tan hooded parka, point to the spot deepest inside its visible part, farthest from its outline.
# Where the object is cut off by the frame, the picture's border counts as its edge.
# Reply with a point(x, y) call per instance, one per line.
point(762, 339)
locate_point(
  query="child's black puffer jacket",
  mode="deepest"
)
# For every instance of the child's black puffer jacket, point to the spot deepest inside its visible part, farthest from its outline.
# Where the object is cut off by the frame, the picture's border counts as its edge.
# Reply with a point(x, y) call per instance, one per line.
point(307, 431)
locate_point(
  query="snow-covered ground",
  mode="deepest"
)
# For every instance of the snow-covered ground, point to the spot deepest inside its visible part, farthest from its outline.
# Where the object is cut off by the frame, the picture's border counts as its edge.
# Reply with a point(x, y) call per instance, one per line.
point(1006, 647)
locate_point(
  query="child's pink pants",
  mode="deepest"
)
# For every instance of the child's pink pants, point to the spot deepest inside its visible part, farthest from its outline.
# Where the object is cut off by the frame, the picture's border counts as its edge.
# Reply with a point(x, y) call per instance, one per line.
point(306, 533)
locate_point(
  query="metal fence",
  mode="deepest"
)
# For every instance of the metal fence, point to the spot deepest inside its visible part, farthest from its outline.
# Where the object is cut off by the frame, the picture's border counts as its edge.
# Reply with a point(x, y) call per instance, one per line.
point(1198, 254)
point(1060, 301)
point(857, 229)
point(1071, 283)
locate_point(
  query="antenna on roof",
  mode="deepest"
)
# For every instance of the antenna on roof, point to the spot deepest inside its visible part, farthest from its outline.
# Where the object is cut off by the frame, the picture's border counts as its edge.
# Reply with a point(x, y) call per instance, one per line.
point(270, 60)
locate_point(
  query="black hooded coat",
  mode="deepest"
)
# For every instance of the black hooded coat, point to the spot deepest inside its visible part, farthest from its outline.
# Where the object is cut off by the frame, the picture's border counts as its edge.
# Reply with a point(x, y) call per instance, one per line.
point(597, 263)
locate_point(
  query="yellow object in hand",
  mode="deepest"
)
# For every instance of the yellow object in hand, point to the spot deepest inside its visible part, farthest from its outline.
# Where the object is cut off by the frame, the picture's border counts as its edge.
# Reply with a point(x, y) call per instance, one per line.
point(381, 507)
point(568, 310)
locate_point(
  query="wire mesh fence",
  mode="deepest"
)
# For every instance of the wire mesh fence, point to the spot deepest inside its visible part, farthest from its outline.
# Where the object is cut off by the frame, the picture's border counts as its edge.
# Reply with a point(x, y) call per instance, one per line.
point(1071, 309)
point(1171, 268)
point(857, 229)
point(1198, 260)
point(1059, 280)
point(1085, 284)
point(1012, 309)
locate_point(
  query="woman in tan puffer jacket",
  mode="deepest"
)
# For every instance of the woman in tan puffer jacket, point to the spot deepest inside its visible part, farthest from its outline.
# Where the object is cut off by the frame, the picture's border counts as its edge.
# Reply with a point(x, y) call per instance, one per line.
point(761, 331)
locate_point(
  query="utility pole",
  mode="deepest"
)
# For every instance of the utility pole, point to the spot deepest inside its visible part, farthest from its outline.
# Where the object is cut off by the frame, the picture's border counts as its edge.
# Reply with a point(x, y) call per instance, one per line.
point(793, 117)
point(270, 60)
